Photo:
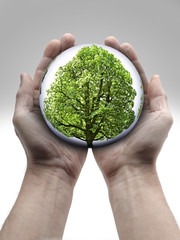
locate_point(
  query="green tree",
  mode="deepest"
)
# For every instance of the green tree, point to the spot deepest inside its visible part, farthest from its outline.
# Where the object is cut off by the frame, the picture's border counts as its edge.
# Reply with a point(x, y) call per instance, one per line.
point(92, 96)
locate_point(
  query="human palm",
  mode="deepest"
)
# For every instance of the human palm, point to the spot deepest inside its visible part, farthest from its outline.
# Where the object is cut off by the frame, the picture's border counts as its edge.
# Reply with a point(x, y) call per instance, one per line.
point(143, 143)
point(42, 147)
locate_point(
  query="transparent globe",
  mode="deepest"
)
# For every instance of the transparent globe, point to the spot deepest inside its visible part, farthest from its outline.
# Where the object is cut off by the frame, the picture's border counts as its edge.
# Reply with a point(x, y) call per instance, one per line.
point(91, 95)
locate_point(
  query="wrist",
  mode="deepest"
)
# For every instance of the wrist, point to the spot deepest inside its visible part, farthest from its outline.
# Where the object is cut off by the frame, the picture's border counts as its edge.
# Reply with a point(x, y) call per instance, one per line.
point(49, 181)
point(129, 173)
point(56, 173)
point(135, 181)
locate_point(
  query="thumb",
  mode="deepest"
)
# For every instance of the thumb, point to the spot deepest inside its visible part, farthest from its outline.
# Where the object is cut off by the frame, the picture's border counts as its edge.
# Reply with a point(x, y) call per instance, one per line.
point(156, 95)
point(24, 96)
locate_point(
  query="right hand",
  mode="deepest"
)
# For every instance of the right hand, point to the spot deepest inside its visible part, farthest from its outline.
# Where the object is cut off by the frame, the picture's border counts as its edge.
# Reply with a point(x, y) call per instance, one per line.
point(143, 144)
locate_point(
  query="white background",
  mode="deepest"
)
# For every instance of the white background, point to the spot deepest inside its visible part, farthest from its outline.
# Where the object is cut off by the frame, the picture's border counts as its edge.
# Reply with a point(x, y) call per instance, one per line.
point(152, 27)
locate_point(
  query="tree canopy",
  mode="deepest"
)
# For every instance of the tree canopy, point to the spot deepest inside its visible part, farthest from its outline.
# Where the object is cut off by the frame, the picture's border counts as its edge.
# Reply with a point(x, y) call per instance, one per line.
point(92, 97)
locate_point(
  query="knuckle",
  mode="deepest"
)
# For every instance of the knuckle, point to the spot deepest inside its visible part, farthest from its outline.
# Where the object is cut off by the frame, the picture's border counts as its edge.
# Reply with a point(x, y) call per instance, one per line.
point(171, 120)
point(165, 95)
point(17, 119)
point(18, 94)
point(168, 119)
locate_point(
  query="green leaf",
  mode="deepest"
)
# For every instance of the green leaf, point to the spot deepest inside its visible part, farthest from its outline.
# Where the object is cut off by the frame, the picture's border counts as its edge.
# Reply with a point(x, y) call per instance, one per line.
point(92, 96)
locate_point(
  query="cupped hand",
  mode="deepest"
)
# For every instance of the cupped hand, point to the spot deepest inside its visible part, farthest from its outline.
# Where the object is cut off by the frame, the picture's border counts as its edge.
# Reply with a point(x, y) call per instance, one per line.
point(143, 144)
point(43, 149)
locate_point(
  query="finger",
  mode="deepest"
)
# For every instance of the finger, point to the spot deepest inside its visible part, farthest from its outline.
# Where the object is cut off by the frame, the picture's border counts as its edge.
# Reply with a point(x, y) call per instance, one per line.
point(111, 41)
point(51, 51)
point(24, 96)
point(156, 95)
point(130, 53)
point(67, 41)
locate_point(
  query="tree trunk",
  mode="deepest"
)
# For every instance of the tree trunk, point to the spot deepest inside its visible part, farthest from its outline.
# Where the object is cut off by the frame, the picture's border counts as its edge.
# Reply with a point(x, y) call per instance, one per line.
point(89, 134)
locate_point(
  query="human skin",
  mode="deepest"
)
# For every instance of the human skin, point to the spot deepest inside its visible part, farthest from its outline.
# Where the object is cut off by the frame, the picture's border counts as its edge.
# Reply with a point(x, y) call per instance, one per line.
point(53, 166)
point(129, 166)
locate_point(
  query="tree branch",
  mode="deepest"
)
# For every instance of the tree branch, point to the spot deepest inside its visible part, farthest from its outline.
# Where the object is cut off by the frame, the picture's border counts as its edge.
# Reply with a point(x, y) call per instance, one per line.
point(98, 129)
point(71, 125)
point(108, 100)
point(108, 96)
point(99, 95)
point(72, 99)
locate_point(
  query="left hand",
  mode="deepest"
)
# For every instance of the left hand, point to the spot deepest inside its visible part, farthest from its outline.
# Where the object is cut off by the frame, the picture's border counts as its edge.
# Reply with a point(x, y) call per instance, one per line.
point(44, 150)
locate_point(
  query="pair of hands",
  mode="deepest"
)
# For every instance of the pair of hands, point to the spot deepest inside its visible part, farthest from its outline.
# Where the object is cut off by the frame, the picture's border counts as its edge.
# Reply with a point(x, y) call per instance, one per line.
point(46, 151)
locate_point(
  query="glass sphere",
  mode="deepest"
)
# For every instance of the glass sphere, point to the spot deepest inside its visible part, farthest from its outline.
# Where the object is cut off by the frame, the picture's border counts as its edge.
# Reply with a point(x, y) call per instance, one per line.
point(91, 95)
